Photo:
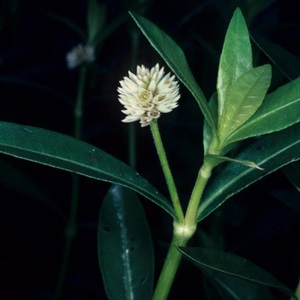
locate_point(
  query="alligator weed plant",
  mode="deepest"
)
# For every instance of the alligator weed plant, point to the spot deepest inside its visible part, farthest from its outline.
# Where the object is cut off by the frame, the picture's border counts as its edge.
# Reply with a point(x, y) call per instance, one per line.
point(237, 111)
point(248, 133)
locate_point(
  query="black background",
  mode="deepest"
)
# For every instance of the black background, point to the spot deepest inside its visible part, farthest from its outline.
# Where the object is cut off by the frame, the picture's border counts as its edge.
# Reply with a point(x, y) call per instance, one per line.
point(37, 89)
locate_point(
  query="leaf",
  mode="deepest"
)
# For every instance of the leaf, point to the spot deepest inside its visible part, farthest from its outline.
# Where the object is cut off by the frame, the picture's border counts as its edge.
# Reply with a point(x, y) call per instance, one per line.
point(175, 59)
point(236, 57)
point(96, 15)
point(207, 132)
point(233, 265)
point(233, 288)
point(243, 98)
point(286, 62)
point(125, 247)
point(72, 25)
point(64, 152)
point(229, 287)
point(279, 110)
point(271, 153)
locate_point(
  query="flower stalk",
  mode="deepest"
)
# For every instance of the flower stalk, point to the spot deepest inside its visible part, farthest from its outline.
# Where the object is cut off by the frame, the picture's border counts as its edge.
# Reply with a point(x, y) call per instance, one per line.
point(167, 171)
point(170, 268)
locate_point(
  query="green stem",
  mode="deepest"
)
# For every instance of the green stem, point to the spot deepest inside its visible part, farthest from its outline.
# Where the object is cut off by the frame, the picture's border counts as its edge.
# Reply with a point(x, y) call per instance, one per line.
point(70, 232)
point(183, 231)
point(170, 268)
point(201, 181)
point(167, 171)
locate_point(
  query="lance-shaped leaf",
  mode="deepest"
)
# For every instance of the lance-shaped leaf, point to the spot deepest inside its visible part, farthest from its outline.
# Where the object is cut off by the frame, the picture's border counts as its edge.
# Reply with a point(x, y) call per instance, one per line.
point(236, 57)
point(64, 152)
point(270, 153)
point(232, 265)
point(125, 247)
point(207, 132)
point(230, 287)
point(279, 110)
point(175, 59)
point(234, 288)
point(243, 98)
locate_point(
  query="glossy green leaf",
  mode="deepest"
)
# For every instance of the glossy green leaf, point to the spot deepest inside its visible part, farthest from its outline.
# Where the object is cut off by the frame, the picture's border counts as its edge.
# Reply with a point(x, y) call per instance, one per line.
point(236, 57)
point(279, 110)
point(66, 153)
point(125, 247)
point(233, 288)
point(207, 132)
point(286, 62)
point(175, 59)
point(270, 152)
point(233, 265)
point(243, 98)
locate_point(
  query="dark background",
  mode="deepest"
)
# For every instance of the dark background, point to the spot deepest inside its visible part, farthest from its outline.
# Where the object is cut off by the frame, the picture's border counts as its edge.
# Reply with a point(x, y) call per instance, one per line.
point(37, 89)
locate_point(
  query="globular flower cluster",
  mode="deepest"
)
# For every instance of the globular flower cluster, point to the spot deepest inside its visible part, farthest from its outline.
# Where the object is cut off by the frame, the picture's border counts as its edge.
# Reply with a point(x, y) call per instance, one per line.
point(147, 94)
point(79, 55)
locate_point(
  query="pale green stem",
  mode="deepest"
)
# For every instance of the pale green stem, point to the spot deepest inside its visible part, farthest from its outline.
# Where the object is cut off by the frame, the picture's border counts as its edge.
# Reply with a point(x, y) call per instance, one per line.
point(70, 231)
point(183, 231)
point(201, 181)
point(167, 171)
point(170, 268)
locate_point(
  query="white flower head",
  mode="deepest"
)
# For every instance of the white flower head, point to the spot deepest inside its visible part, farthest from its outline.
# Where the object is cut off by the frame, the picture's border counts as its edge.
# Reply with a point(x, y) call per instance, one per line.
point(79, 55)
point(147, 94)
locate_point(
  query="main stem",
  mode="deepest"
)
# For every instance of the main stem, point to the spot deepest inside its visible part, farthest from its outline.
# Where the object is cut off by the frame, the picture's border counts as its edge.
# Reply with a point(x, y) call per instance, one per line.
point(170, 268)
point(70, 231)
point(183, 232)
